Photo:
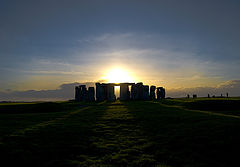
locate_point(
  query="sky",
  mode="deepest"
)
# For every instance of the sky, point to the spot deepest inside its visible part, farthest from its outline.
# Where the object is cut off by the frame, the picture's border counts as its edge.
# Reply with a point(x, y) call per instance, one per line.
point(182, 45)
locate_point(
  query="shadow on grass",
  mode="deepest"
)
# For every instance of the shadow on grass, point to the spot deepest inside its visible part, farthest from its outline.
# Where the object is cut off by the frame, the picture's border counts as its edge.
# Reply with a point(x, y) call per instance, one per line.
point(56, 143)
point(118, 141)
point(183, 138)
point(230, 106)
point(121, 134)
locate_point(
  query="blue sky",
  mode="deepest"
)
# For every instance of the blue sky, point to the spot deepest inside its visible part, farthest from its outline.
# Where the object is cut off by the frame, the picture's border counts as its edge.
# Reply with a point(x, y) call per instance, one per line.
point(170, 43)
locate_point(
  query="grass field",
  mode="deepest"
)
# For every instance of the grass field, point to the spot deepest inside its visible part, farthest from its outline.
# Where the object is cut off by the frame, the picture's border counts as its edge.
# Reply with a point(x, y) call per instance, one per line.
point(169, 133)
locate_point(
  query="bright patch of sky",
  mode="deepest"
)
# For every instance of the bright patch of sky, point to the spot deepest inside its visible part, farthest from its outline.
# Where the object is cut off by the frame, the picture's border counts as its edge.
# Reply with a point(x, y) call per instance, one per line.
point(175, 44)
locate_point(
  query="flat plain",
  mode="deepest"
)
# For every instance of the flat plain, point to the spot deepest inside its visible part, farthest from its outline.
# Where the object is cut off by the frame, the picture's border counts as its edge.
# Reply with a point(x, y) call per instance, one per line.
point(168, 133)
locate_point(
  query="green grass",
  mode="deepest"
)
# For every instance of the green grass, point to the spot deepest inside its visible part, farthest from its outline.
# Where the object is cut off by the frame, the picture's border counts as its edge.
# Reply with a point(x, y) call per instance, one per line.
point(172, 132)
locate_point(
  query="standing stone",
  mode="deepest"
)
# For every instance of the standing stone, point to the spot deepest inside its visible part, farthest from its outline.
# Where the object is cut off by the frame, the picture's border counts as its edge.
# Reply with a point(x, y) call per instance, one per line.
point(162, 93)
point(152, 92)
point(145, 92)
point(105, 91)
point(83, 93)
point(137, 91)
point(110, 93)
point(134, 92)
point(91, 94)
point(77, 93)
point(124, 92)
point(140, 90)
point(158, 93)
point(99, 92)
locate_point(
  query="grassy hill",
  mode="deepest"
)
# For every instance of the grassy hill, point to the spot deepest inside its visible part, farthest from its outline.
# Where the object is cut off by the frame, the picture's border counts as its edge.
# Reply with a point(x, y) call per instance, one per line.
point(173, 132)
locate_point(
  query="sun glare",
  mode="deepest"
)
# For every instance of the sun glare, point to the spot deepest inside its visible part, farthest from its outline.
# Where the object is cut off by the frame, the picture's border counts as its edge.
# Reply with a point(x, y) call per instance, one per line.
point(118, 75)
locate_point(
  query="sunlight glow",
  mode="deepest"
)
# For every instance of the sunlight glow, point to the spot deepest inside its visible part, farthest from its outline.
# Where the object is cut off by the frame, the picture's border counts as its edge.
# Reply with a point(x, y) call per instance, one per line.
point(118, 75)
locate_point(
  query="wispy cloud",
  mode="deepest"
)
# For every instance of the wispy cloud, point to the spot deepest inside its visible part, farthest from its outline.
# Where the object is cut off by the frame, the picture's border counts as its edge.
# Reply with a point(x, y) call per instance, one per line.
point(154, 58)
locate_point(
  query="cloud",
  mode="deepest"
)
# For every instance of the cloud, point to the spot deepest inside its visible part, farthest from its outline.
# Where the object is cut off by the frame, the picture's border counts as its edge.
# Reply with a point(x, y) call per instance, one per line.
point(178, 61)
point(232, 87)
point(66, 92)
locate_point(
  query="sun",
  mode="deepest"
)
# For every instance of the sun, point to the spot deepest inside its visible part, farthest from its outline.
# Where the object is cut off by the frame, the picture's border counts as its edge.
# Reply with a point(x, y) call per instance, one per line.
point(118, 75)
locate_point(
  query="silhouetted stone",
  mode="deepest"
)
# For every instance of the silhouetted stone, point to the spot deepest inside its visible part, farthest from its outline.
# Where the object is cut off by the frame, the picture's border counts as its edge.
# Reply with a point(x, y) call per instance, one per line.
point(99, 92)
point(140, 91)
point(110, 93)
point(124, 91)
point(105, 91)
point(158, 93)
point(152, 92)
point(134, 92)
point(161, 93)
point(91, 94)
point(137, 92)
point(77, 93)
point(145, 92)
point(81, 93)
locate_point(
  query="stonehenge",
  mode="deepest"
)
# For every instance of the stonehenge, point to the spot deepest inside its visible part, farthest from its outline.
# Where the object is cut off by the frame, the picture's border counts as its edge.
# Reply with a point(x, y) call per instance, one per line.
point(128, 91)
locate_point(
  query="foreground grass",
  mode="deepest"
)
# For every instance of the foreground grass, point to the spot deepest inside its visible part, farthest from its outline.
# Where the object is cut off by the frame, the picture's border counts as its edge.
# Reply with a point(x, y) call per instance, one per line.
point(166, 133)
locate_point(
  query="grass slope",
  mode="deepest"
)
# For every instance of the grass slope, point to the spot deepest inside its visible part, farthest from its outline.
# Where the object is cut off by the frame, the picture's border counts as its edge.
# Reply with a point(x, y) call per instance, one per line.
point(173, 132)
